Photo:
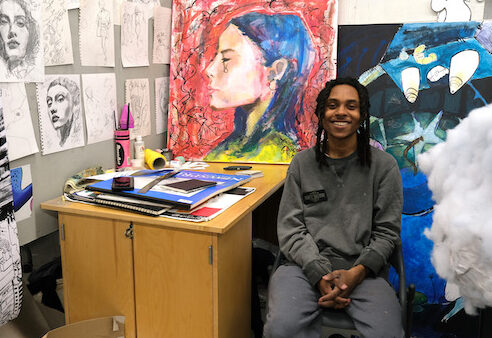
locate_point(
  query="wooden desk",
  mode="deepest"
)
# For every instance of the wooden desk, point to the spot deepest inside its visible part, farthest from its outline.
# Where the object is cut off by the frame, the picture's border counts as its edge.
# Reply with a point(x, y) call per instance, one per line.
point(169, 278)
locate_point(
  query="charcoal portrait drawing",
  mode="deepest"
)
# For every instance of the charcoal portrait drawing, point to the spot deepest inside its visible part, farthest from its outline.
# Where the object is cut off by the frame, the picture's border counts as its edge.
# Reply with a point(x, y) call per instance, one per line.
point(19, 38)
point(63, 101)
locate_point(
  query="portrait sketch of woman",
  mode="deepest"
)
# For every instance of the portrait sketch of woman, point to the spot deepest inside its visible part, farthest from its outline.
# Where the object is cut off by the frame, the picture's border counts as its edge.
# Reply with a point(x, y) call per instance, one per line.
point(245, 76)
point(60, 113)
point(21, 52)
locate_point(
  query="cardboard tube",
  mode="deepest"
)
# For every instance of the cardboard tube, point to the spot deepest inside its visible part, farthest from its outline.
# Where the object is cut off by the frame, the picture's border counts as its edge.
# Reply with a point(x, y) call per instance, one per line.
point(154, 159)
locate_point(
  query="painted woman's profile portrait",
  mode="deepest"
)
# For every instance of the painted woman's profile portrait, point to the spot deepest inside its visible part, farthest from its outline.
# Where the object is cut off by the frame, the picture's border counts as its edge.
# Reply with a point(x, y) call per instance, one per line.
point(63, 102)
point(260, 69)
point(19, 37)
point(245, 76)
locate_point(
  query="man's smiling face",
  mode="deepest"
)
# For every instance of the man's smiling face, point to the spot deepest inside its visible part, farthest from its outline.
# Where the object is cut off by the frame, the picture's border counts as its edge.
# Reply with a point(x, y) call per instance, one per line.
point(342, 114)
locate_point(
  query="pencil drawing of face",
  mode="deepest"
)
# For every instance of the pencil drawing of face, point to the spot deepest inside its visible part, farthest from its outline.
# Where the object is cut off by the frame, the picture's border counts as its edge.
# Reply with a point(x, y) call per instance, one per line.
point(18, 33)
point(63, 102)
point(59, 106)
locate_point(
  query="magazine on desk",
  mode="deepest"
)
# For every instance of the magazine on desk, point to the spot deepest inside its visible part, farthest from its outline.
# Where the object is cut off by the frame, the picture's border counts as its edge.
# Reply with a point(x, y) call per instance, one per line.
point(212, 208)
point(160, 194)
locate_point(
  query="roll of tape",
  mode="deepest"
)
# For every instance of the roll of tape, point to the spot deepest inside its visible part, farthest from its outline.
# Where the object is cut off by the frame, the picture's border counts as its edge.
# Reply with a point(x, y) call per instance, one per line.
point(154, 159)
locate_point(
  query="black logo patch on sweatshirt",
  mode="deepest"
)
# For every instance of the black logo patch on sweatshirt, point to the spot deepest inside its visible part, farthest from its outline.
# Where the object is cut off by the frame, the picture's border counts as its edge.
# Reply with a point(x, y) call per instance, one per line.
point(311, 197)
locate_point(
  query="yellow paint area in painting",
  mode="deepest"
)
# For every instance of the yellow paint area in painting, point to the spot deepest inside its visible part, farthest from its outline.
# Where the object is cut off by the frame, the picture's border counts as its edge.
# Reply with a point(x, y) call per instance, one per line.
point(273, 148)
point(420, 57)
point(255, 115)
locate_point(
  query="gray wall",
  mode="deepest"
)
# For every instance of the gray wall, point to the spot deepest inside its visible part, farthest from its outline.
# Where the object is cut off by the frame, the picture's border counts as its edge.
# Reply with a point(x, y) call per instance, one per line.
point(49, 172)
point(487, 14)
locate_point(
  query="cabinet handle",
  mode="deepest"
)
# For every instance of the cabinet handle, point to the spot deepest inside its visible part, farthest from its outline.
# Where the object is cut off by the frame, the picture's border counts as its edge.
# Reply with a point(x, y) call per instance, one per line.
point(129, 231)
point(62, 229)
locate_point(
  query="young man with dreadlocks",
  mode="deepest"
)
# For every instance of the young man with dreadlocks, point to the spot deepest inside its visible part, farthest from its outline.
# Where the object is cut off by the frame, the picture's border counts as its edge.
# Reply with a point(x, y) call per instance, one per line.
point(338, 223)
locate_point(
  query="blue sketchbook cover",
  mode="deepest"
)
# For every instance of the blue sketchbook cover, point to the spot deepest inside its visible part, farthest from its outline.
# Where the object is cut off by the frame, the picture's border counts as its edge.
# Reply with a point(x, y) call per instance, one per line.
point(160, 194)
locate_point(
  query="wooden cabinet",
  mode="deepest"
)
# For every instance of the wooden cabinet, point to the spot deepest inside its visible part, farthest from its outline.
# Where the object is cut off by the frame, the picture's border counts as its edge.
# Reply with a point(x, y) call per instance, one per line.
point(168, 278)
point(166, 282)
point(97, 264)
point(173, 283)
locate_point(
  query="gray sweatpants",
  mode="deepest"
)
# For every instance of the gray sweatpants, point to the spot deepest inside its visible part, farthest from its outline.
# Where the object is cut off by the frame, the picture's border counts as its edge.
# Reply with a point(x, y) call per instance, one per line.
point(293, 309)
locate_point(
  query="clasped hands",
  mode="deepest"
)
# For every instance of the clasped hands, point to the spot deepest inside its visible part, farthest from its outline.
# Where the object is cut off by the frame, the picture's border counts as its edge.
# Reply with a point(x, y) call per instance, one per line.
point(336, 287)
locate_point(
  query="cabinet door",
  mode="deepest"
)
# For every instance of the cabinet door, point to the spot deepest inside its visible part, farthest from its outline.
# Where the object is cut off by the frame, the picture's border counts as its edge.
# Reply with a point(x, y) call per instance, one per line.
point(97, 269)
point(173, 283)
point(232, 270)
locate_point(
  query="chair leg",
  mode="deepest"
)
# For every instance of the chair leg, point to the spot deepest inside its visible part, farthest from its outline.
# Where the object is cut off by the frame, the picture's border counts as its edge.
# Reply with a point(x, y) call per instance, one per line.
point(485, 326)
point(256, 320)
point(410, 297)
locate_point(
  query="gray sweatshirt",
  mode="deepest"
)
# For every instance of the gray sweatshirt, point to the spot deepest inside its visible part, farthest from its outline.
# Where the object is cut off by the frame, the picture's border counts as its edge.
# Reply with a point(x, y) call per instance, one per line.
point(340, 215)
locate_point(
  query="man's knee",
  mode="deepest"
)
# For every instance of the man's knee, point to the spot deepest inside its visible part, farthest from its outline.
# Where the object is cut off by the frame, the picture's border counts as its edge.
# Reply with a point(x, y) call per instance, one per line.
point(292, 301)
point(375, 310)
point(280, 326)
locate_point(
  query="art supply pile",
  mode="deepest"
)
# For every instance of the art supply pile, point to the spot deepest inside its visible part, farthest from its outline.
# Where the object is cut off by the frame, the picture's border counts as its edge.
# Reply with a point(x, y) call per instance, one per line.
point(180, 194)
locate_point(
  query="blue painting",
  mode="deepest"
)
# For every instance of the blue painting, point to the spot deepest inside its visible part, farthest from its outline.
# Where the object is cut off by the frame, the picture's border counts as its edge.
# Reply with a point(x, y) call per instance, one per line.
point(22, 192)
point(423, 79)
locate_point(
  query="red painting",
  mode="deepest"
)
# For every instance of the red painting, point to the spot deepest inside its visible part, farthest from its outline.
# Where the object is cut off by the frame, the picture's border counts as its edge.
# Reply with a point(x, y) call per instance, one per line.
point(245, 76)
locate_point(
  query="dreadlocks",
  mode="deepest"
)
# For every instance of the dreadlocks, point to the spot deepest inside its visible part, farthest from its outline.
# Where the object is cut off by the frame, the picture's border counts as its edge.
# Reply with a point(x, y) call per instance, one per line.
point(363, 147)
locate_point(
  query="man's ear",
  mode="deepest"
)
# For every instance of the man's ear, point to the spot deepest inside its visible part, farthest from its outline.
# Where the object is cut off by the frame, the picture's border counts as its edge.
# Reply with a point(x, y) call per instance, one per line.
point(277, 69)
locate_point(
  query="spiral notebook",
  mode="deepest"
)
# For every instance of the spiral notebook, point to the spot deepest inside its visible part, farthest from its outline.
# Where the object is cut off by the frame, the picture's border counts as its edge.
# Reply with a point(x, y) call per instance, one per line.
point(119, 202)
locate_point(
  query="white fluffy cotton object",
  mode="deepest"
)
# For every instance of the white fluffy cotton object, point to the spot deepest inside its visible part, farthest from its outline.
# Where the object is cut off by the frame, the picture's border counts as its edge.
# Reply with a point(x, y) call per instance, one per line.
point(459, 173)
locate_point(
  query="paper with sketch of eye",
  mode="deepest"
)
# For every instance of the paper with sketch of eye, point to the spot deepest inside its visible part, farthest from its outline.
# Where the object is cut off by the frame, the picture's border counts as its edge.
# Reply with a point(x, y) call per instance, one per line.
point(96, 33)
point(99, 92)
point(18, 123)
point(138, 95)
point(161, 103)
point(22, 56)
point(56, 33)
point(60, 116)
point(22, 192)
point(162, 35)
point(134, 35)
